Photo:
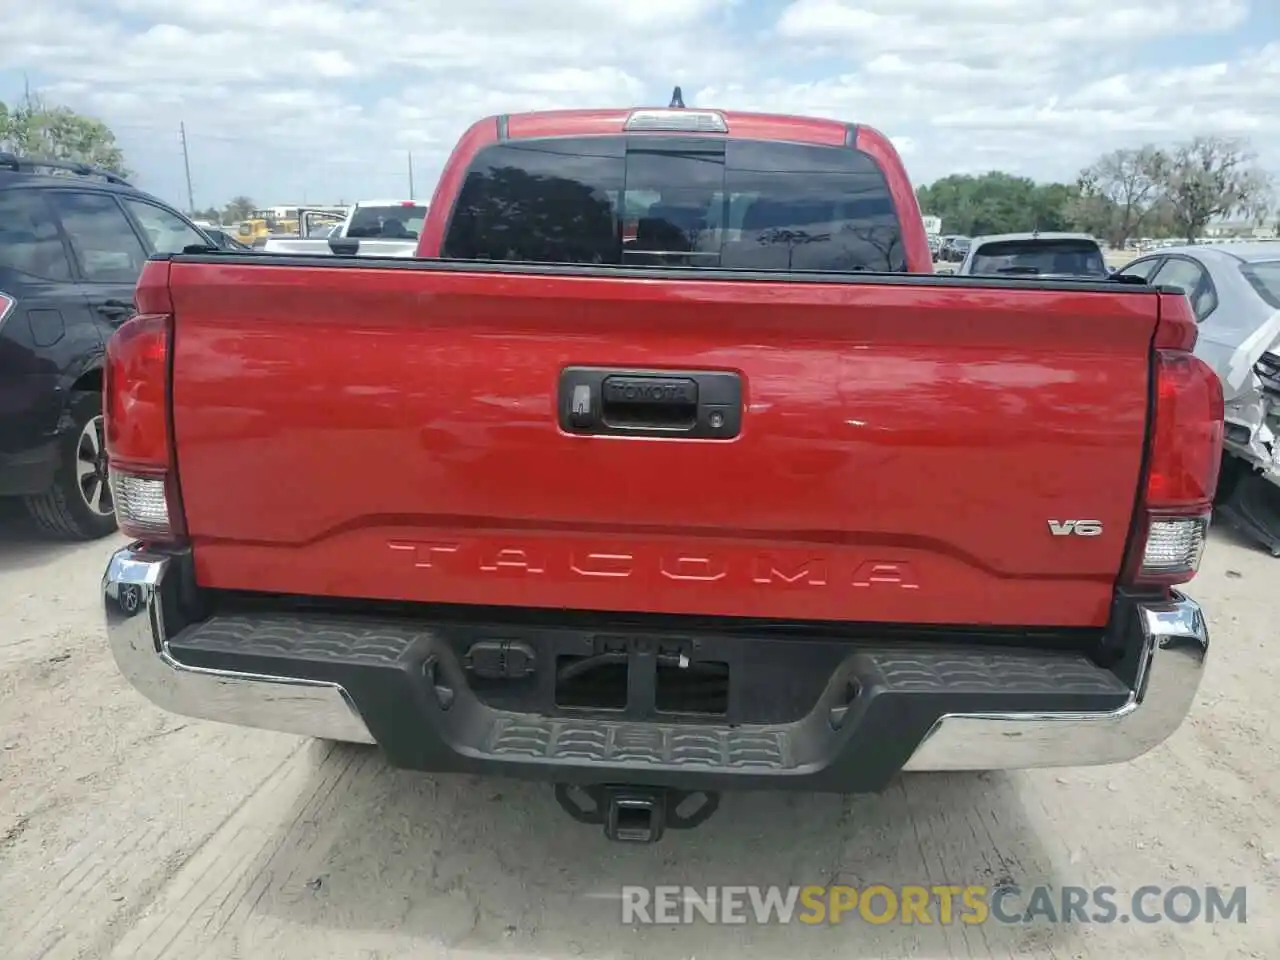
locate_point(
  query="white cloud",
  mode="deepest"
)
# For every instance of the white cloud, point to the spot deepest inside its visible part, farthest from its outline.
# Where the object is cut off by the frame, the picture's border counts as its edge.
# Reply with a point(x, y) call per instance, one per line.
point(1005, 31)
point(321, 99)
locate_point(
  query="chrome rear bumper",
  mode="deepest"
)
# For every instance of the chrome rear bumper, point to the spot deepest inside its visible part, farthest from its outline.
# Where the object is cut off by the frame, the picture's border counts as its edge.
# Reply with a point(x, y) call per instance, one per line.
point(136, 632)
point(1174, 646)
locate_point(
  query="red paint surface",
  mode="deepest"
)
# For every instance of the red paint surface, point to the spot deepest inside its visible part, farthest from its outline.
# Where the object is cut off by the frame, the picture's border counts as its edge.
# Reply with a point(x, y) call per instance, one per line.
point(903, 447)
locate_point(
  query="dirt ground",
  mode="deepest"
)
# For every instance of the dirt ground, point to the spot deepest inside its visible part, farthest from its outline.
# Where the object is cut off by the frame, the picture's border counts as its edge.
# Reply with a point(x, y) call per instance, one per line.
point(129, 833)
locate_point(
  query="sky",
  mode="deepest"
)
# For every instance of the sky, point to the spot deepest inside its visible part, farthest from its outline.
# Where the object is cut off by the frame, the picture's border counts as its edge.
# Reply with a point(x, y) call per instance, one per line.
point(320, 101)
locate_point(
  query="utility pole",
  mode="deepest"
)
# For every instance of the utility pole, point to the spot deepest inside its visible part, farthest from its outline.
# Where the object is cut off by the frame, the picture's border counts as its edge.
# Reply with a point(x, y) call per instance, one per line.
point(411, 197)
point(186, 165)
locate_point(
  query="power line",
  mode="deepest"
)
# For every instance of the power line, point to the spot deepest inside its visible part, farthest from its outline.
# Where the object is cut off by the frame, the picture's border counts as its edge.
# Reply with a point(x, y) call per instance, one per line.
point(267, 160)
point(285, 140)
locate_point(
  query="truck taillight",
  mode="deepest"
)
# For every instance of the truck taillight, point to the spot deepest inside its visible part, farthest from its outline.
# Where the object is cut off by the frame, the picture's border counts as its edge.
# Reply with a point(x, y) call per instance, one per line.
point(1183, 457)
point(7, 303)
point(135, 405)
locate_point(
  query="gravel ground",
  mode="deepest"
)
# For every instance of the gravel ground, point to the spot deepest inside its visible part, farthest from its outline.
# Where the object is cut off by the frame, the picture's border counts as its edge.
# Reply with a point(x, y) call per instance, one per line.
point(129, 833)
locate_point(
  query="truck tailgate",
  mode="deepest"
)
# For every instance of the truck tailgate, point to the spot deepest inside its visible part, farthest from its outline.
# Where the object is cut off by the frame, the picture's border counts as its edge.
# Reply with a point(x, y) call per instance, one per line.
point(905, 451)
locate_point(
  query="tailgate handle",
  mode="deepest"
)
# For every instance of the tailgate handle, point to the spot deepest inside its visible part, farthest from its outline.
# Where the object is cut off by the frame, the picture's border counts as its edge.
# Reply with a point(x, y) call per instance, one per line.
point(657, 403)
point(676, 403)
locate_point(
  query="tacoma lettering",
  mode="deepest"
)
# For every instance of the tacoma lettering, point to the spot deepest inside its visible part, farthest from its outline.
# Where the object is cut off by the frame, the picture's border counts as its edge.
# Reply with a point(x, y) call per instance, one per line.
point(764, 569)
point(809, 572)
point(513, 559)
point(425, 555)
point(878, 573)
point(692, 568)
point(602, 564)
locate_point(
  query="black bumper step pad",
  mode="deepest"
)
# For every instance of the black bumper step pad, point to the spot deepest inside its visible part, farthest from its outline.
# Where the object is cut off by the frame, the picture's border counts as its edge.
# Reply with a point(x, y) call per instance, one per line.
point(879, 704)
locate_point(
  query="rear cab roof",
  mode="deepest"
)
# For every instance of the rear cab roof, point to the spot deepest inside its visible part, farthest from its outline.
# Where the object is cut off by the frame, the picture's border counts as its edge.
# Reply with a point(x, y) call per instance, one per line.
point(741, 125)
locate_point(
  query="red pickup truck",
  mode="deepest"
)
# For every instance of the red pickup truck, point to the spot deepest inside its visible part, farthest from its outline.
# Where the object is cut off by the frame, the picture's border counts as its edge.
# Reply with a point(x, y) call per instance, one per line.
point(667, 467)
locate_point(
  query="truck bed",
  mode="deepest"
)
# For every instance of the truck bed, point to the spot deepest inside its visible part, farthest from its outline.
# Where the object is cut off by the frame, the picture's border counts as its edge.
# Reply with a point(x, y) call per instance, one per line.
point(393, 430)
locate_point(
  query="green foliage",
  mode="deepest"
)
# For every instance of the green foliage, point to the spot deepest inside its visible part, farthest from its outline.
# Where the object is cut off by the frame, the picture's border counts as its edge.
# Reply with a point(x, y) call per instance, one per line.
point(995, 202)
point(34, 129)
point(1144, 191)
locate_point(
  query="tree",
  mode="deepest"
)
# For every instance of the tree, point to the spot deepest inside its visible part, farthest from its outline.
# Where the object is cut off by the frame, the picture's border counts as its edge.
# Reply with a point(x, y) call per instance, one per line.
point(1092, 214)
point(1051, 205)
point(1159, 223)
point(238, 209)
point(1148, 191)
point(1210, 177)
point(38, 130)
point(1119, 190)
point(996, 202)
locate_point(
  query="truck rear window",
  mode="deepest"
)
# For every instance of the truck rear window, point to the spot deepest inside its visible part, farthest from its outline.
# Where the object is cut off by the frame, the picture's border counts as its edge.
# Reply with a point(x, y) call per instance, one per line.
point(665, 201)
point(401, 221)
point(1063, 258)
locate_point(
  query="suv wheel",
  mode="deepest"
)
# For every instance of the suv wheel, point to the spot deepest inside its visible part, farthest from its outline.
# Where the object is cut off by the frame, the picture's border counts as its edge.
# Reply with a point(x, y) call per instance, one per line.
point(79, 505)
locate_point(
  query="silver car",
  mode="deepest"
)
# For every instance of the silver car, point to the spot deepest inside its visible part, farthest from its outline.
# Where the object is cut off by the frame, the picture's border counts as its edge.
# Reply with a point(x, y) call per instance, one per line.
point(1038, 254)
point(1234, 290)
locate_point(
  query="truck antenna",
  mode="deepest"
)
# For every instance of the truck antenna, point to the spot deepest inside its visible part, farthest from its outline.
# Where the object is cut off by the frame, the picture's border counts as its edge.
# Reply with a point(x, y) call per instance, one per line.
point(677, 98)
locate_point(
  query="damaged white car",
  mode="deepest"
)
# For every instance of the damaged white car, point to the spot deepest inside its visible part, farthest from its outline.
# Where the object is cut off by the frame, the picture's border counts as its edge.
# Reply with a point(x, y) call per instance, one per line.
point(1234, 290)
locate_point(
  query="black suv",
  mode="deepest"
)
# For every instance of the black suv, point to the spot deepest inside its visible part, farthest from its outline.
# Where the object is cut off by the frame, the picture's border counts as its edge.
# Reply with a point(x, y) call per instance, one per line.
point(73, 240)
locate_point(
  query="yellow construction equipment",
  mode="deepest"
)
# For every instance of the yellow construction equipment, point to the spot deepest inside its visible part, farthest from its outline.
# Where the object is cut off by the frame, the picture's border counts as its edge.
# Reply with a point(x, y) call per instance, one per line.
point(250, 231)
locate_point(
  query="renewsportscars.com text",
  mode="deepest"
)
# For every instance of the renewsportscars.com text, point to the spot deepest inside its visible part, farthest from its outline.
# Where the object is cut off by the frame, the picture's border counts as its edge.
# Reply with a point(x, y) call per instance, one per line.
point(937, 904)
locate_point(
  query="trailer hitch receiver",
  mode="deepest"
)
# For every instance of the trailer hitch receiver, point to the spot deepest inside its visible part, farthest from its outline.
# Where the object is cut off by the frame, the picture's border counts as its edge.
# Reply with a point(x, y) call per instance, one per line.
point(636, 814)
